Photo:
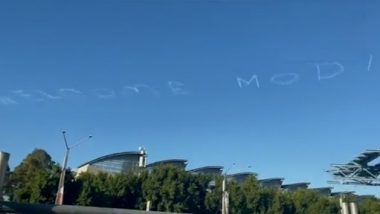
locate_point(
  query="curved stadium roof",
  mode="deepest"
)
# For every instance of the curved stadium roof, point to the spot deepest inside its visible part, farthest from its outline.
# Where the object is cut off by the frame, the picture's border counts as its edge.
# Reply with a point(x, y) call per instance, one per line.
point(271, 179)
point(242, 174)
point(208, 170)
point(177, 162)
point(217, 168)
point(113, 156)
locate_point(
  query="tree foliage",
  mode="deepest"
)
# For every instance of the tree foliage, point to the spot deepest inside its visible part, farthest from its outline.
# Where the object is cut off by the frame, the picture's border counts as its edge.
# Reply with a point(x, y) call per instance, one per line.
point(119, 191)
point(34, 180)
point(169, 188)
point(370, 206)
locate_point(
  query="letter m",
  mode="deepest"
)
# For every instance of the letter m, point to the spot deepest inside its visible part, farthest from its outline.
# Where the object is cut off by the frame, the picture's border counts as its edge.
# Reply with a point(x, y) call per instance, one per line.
point(245, 83)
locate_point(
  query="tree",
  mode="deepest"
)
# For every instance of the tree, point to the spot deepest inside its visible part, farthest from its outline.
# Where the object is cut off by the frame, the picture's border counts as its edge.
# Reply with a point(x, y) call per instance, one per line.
point(369, 206)
point(171, 189)
point(124, 191)
point(251, 191)
point(237, 199)
point(35, 179)
point(163, 187)
point(91, 189)
point(196, 188)
point(282, 203)
point(102, 190)
point(72, 188)
point(309, 202)
point(213, 196)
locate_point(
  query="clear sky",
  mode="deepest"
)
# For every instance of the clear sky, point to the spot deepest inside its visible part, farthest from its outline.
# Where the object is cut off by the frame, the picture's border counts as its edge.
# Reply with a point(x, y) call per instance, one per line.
point(287, 87)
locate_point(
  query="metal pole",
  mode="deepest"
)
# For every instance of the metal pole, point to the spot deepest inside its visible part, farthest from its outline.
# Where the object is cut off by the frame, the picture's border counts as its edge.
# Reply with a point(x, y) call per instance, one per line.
point(61, 184)
point(4, 157)
point(225, 197)
point(148, 205)
point(354, 208)
point(345, 209)
point(223, 190)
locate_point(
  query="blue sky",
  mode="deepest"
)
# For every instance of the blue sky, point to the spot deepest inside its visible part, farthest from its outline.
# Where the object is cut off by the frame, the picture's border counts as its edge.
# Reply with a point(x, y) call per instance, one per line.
point(287, 88)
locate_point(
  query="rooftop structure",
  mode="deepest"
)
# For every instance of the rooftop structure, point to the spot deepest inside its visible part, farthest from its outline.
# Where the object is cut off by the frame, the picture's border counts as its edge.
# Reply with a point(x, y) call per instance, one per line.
point(208, 170)
point(123, 162)
point(359, 170)
point(342, 193)
point(324, 191)
point(180, 163)
point(241, 176)
point(295, 186)
point(274, 183)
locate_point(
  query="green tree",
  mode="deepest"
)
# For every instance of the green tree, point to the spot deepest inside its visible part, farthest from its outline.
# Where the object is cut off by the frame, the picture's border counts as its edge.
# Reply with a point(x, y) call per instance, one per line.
point(196, 190)
point(237, 198)
point(282, 203)
point(163, 187)
point(35, 179)
point(251, 191)
point(309, 202)
point(124, 191)
point(369, 206)
point(213, 196)
point(175, 190)
point(118, 191)
point(72, 188)
point(91, 187)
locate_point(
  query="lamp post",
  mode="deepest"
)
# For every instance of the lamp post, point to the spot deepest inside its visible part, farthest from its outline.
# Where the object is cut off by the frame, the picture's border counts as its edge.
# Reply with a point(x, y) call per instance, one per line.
point(225, 195)
point(61, 184)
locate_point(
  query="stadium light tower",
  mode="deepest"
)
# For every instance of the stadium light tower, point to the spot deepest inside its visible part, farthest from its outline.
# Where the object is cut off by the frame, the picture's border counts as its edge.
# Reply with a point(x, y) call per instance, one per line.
point(61, 184)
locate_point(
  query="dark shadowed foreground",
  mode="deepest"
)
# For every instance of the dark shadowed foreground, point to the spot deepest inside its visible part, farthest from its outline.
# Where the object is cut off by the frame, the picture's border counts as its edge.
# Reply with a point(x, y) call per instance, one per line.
point(11, 207)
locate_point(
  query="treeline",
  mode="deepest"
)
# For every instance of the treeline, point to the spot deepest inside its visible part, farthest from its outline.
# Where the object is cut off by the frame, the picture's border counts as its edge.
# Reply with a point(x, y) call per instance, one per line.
point(167, 188)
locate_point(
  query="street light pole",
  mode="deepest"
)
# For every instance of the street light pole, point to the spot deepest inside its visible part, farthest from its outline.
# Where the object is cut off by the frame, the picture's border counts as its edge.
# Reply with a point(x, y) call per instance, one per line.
point(225, 196)
point(61, 184)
